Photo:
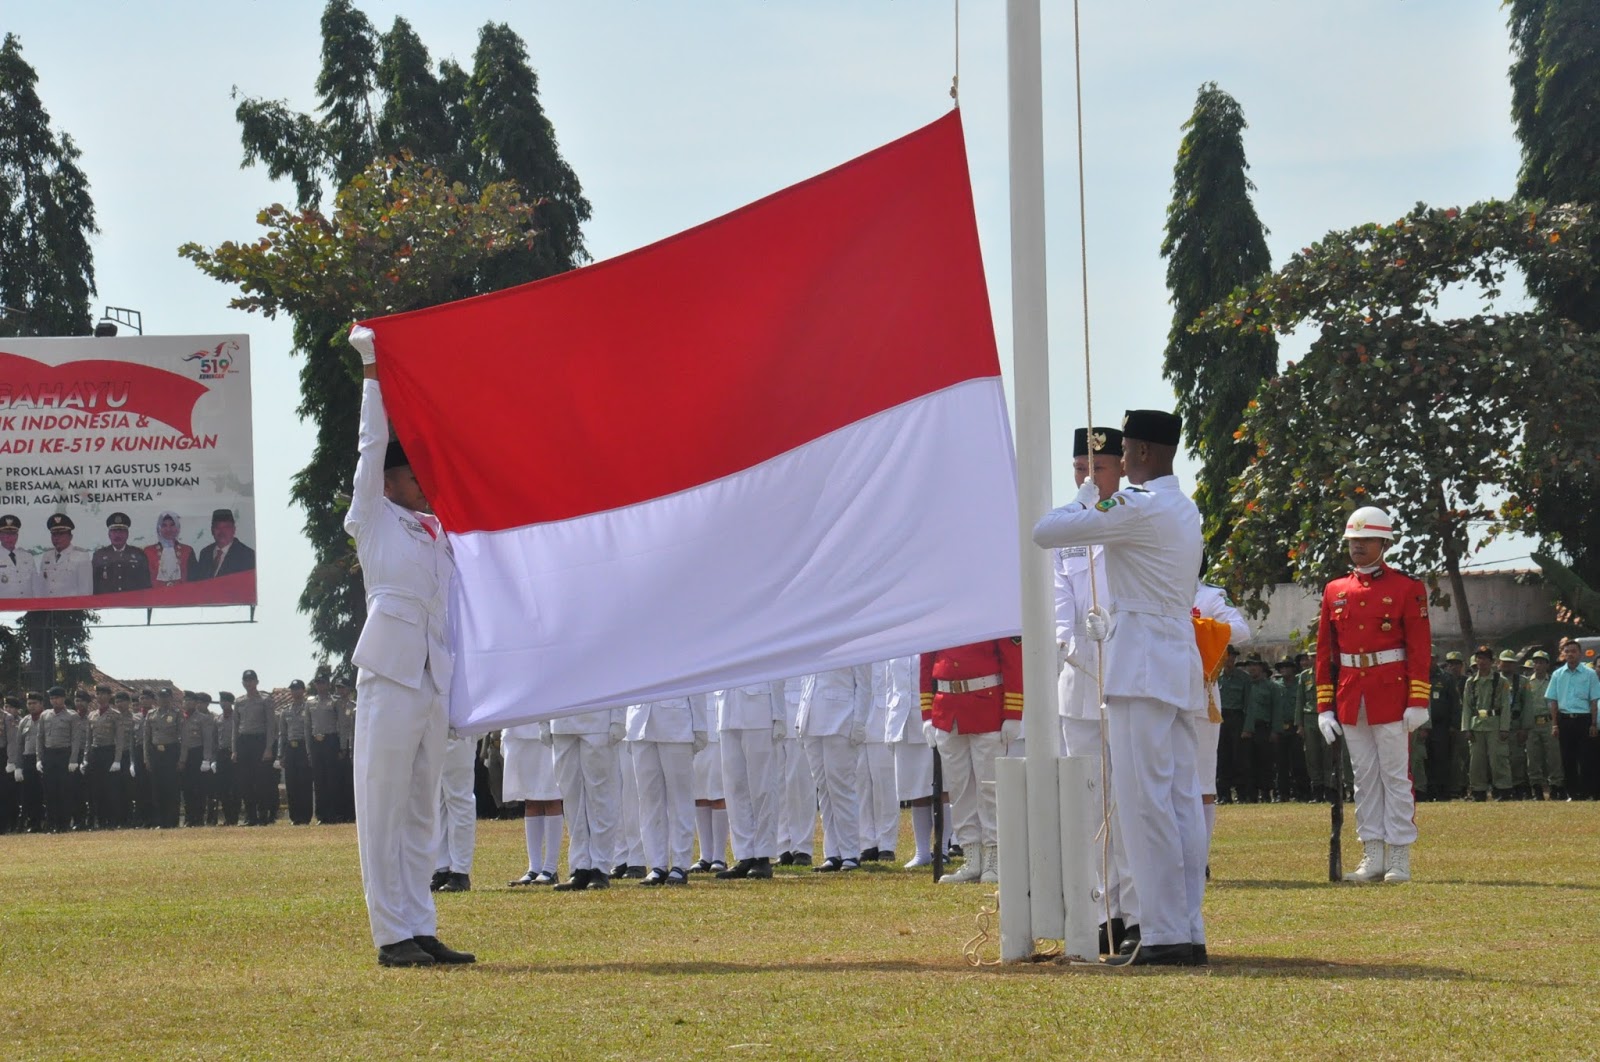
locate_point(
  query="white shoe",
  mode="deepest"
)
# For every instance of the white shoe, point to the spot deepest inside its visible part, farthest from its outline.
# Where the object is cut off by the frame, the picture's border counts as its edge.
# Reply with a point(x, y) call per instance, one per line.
point(1399, 867)
point(991, 865)
point(967, 872)
point(1372, 866)
point(918, 861)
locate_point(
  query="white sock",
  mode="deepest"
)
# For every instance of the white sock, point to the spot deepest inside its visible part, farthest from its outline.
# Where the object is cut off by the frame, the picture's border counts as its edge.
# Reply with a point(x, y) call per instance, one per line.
point(949, 817)
point(702, 821)
point(719, 834)
point(1211, 825)
point(922, 829)
point(552, 842)
point(533, 833)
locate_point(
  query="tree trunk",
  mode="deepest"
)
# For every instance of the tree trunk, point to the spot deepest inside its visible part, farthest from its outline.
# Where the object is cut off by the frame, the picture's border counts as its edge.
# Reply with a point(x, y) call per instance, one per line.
point(1452, 566)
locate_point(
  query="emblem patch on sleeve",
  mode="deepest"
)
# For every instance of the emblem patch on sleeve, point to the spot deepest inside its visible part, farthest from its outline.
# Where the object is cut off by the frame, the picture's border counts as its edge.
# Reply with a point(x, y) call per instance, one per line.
point(1110, 503)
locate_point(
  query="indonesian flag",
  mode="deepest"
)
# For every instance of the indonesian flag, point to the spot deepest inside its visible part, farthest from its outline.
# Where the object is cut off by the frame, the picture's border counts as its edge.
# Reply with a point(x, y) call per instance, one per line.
point(773, 444)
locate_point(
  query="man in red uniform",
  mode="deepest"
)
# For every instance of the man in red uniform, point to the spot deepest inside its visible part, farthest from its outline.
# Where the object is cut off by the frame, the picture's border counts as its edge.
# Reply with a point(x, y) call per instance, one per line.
point(971, 708)
point(1373, 685)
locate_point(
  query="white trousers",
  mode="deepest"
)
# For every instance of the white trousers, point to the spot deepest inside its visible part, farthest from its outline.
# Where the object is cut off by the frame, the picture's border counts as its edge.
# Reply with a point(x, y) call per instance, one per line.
point(833, 768)
point(797, 801)
point(1380, 757)
point(968, 761)
point(1153, 749)
point(1081, 737)
point(750, 782)
point(458, 808)
point(630, 844)
point(664, 776)
point(399, 755)
point(880, 805)
point(591, 798)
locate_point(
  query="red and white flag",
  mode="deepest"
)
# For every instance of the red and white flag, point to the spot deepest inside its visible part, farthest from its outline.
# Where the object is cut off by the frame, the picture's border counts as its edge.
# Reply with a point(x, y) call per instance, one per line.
point(772, 444)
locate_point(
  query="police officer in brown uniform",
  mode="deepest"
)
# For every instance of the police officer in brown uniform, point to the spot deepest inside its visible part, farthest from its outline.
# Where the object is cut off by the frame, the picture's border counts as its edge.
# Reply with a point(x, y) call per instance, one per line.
point(294, 755)
point(61, 733)
point(102, 767)
point(141, 791)
point(254, 730)
point(119, 567)
point(198, 748)
point(322, 719)
point(224, 803)
point(162, 729)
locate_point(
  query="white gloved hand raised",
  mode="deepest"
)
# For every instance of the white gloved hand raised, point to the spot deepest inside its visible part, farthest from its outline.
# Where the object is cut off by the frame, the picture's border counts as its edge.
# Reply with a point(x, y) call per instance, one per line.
point(1329, 725)
point(363, 339)
point(699, 742)
point(1010, 730)
point(1415, 718)
point(928, 734)
point(780, 730)
point(116, 765)
point(1097, 624)
point(1088, 495)
point(615, 733)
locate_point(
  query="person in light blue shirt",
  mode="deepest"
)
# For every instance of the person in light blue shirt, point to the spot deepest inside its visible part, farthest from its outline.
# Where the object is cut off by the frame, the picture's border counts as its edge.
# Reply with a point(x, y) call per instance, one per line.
point(1573, 693)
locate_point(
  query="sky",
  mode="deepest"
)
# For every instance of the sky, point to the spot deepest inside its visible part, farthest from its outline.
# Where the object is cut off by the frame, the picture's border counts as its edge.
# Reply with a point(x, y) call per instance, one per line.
point(672, 113)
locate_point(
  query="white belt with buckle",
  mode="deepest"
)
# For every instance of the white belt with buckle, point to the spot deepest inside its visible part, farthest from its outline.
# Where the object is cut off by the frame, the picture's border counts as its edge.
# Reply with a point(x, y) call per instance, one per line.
point(1387, 656)
point(966, 685)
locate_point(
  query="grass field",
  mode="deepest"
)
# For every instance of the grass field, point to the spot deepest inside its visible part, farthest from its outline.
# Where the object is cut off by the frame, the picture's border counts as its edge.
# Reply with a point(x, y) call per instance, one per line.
point(241, 943)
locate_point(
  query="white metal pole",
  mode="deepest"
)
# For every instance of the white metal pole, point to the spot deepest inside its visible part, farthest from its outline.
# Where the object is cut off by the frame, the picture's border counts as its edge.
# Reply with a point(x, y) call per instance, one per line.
point(1031, 376)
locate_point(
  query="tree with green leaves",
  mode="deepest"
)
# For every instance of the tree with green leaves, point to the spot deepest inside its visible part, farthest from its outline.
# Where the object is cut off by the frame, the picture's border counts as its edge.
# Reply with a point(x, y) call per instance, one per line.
point(1430, 418)
point(1555, 106)
point(479, 135)
point(1214, 244)
point(46, 280)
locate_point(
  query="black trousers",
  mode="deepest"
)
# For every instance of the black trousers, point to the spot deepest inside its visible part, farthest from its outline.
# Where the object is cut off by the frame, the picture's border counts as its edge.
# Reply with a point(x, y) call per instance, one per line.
point(10, 802)
point(141, 793)
point(325, 778)
point(250, 778)
point(32, 794)
point(164, 786)
point(196, 787)
point(104, 788)
point(1228, 756)
point(297, 781)
point(1577, 766)
point(57, 787)
point(224, 790)
point(1292, 781)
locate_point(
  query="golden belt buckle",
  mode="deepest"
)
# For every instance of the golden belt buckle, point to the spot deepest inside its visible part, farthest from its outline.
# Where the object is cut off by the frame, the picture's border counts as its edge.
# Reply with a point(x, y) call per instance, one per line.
point(958, 685)
point(161, 748)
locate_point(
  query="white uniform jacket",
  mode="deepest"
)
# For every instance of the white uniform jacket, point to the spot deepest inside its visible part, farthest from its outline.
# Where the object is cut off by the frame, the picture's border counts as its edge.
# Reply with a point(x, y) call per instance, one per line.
point(66, 574)
point(406, 569)
point(16, 577)
point(1080, 656)
point(903, 719)
point(1153, 548)
point(596, 722)
point(676, 719)
point(833, 703)
point(753, 707)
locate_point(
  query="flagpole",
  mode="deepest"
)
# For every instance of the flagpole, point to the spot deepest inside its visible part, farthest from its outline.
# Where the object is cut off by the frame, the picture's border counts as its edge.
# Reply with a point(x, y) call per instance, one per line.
point(1031, 902)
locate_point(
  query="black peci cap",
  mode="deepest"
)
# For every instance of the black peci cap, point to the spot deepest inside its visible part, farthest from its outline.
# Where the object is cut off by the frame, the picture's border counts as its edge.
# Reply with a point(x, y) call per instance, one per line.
point(1153, 426)
point(1106, 441)
point(222, 516)
point(395, 456)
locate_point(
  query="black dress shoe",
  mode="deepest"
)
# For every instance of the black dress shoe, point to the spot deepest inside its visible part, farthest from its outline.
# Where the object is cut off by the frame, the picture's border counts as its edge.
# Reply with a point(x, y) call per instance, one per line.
point(545, 877)
point(762, 869)
point(741, 869)
point(620, 870)
point(800, 859)
point(1198, 956)
point(636, 873)
point(456, 883)
point(442, 953)
point(677, 876)
point(657, 876)
point(886, 855)
point(829, 865)
point(598, 879)
point(849, 864)
point(1110, 941)
point(699, 866)
point(530, 878)
point(404, 953)
point(955, 851)
point(1156, 955)
point(579, 880)
point(438, 880)
point(1130, 940)
point(785, 859)
point(869, 855)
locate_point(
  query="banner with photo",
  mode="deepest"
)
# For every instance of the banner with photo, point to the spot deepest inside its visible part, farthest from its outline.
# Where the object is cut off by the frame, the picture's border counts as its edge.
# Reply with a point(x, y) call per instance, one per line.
point(126, 473)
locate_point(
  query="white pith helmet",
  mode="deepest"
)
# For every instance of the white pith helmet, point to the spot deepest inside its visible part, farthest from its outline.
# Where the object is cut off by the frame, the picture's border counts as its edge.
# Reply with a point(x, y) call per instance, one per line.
point(1369, 521)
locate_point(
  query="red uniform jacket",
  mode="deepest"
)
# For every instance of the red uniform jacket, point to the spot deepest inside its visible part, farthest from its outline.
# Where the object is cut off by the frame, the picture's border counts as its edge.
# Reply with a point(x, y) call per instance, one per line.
point(185, 561)
point(975, 711)
point(1364, 614)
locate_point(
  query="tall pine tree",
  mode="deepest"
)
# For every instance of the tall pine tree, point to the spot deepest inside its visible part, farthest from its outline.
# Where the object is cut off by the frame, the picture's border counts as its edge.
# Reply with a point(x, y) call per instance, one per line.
point(46, 279)
point(1555, 107)
point(1214, 244)
point(381, 95)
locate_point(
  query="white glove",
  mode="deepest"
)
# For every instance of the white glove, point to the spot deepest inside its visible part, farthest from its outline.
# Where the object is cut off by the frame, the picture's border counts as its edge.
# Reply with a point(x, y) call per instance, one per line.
point(116, 765)
point(1097, 624)
point(699, 742)
point(780, 730)
point(71, 767)
point(928, 734)
point(547, 738)
point(1088, 495)
point(133, 769)
point(858, 734)
point(277, 765)
point(208, 766)
point(1010, 730)
point(615, 733)
point(16, 772)
point(361, 337)
point(1415, 719)
point(11, 768)
point(1329, 726)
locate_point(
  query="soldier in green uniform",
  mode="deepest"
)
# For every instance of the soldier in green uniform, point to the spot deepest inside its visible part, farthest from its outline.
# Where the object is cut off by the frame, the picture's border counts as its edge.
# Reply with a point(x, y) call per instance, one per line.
point(197, 745)
point(1444, 723)
point(1418, 747)
point(1286, 728)
point(1259, 739)
point(1318, 757)
point(1511, 667)
point(1486, 715)
point(1461, 740)
point(1544, 757)
point(1233, 690)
